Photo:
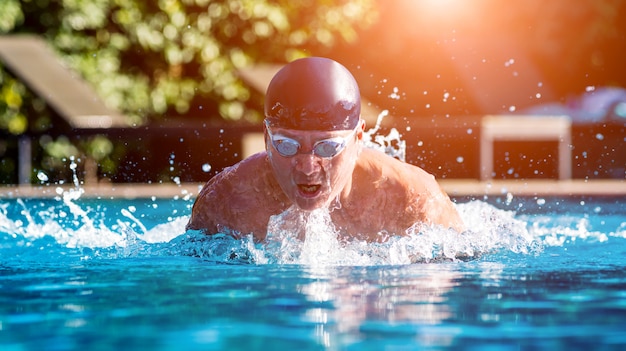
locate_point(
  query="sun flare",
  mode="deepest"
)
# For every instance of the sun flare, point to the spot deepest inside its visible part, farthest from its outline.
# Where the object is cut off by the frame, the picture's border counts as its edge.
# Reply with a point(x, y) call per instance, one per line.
point(438, 10)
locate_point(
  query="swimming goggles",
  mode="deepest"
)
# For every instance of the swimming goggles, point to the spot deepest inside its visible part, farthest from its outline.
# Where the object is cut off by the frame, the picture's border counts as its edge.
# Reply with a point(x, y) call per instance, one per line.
point(326, 148)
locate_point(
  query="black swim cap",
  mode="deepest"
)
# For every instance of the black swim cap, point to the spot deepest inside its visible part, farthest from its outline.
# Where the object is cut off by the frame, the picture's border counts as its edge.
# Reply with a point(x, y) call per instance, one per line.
point(313, 93)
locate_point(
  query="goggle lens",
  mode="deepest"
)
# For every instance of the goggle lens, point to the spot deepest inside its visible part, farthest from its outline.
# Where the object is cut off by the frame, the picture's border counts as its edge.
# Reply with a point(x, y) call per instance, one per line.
point(327, 148)
point(286, 147)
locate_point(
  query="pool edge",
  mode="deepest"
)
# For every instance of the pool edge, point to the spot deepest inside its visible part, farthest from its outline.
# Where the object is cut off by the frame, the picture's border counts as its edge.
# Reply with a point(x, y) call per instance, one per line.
point(532, 187)
point(454, 187)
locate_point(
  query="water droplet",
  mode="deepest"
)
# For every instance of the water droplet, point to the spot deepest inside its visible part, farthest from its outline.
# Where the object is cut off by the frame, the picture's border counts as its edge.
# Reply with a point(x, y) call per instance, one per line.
point(509, 198)
point(512, 108)
point(590, 88)
point(541, 202)
point(600, 136)
point(394, 95)
point(459, 159)
point(42, 176)
point(470, 131)
point(206, 168)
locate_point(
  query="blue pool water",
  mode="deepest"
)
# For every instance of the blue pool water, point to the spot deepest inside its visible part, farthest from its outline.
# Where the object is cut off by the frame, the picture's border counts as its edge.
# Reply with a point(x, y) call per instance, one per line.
point(113, 274)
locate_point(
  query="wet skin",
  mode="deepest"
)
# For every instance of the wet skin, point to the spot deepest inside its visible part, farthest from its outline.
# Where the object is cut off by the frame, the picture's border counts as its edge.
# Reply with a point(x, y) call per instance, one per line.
point(370, 195)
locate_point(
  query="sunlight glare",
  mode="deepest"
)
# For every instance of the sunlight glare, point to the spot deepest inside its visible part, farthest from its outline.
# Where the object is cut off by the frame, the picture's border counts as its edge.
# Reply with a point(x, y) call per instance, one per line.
point(446, 10)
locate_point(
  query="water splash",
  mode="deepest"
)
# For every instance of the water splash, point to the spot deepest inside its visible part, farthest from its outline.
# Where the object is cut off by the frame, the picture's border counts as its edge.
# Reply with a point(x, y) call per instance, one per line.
point(392, 144)
point(310, 238)
point(69, 228)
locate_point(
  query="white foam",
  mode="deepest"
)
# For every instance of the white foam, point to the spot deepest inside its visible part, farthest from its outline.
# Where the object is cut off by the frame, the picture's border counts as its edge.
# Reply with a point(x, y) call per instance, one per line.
point(293, 238)
point(558, 231)
point(310, 239)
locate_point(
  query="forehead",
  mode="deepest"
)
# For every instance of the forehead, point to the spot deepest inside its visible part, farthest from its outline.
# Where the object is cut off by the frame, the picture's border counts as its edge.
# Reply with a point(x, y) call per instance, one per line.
point(308, 134)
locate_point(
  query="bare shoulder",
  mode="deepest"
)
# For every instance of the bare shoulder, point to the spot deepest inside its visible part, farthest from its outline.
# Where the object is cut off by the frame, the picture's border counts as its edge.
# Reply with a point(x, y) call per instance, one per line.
point(237, 198)
point(235, 179)
point(396, 175)
point(414, 194)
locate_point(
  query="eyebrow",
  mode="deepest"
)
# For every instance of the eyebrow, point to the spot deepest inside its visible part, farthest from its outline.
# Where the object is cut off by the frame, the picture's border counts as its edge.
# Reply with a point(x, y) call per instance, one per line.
point(291, 136)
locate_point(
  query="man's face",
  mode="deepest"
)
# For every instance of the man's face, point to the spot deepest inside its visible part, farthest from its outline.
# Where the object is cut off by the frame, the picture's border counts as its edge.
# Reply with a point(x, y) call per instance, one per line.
point(309, 179)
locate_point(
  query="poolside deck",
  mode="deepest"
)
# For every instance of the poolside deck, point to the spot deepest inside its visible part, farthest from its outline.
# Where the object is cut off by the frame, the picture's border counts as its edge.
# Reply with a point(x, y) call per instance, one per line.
point(454, 187)
point(35, 63)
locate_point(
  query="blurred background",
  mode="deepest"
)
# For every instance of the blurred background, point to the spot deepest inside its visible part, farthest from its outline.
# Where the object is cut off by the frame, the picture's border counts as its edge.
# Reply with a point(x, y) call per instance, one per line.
point(172, 69)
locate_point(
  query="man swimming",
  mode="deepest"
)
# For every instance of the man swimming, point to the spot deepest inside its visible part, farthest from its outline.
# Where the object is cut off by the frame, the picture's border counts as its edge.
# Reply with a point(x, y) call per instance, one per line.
point(315, 159)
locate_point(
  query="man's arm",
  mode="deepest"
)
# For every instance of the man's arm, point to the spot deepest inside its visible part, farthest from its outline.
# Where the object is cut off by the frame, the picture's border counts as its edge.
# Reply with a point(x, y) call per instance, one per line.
point(202, 212)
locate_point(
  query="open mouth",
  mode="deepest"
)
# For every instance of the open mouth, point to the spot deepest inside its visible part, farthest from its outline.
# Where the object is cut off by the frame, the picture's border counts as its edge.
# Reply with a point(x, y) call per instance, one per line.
point(309, 190)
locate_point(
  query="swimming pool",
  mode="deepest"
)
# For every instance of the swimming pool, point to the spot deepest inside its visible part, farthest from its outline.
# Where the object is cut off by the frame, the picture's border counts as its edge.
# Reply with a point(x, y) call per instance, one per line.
point(99, 274)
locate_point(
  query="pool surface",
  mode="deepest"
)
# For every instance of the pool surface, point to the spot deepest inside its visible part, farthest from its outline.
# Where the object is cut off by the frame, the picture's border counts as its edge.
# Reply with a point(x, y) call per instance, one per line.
point(112, 274)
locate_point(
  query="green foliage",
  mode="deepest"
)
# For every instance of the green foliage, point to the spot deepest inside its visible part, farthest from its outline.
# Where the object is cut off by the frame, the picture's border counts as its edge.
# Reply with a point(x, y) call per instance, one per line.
point(10, 15)
point(11, 98)
point(20, 110)
point(165, 57)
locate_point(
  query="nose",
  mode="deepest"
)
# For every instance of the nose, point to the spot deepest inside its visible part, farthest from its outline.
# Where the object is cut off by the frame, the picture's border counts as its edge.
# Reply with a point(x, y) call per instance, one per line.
point(308, 163)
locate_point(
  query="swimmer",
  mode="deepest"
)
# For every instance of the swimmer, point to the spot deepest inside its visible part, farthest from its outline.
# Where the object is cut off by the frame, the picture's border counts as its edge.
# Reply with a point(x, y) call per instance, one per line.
point(314, 158)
